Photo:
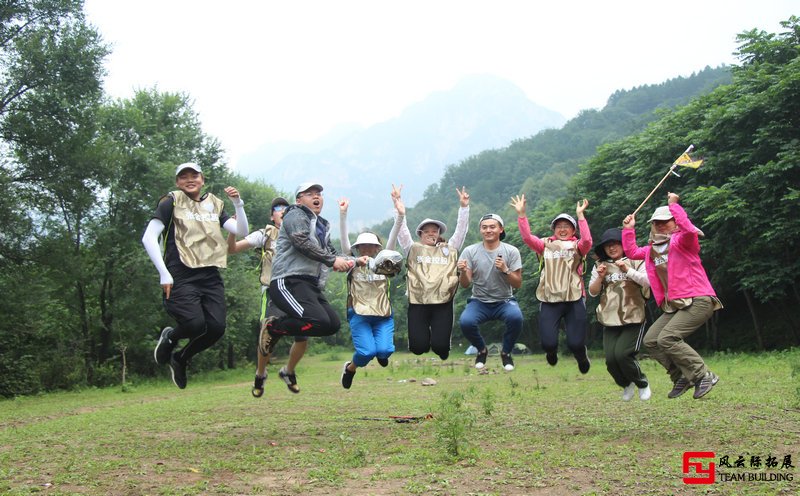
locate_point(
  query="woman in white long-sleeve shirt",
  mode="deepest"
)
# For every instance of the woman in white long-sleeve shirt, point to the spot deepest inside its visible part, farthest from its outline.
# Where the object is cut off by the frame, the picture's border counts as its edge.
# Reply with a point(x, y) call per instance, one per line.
point(432, 275)
point(194, 250)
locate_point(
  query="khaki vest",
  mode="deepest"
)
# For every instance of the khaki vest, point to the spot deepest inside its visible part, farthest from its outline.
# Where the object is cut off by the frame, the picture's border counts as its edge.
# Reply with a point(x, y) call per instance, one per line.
point(267, 253)
point(559, 280)
point(369, 293)
point(197, 231)
point(621, 301)
point(432, 276)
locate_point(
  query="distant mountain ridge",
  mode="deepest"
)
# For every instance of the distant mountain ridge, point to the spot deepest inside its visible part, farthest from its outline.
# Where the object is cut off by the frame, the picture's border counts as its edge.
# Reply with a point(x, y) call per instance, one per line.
point(415, 148)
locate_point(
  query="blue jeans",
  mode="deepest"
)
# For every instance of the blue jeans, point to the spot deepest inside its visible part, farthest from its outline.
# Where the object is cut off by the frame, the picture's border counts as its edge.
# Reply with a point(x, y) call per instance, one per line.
point(478, 312)
point(372, 337)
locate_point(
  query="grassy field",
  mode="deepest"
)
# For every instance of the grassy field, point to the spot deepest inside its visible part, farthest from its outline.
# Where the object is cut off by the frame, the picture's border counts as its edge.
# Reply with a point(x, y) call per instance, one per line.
point(538, 430)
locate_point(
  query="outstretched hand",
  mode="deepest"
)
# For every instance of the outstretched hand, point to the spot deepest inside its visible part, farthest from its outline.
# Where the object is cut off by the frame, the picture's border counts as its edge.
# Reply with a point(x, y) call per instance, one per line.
point(397, 200)
point(343, 204)
point(581, 207)
point(518, 202)
point(629, 221)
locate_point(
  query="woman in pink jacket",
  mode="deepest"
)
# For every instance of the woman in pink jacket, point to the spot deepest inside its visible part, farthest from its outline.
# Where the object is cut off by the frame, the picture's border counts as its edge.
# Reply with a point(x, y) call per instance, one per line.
point(682, 291)
point(561, 289)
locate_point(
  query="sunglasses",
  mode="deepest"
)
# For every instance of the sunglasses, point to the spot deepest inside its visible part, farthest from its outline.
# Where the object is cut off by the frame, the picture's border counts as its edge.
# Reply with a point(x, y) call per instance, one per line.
point(279, 208)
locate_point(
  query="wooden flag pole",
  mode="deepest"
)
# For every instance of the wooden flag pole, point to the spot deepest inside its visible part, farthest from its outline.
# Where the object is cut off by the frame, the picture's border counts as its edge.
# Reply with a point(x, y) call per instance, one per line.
point(670, 171)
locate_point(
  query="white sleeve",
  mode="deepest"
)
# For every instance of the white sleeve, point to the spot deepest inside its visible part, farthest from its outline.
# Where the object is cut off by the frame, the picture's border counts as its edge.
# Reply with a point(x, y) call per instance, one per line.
point(639, 276)
point(256, 239)
point(401, 233)
point(461, 228)
point(150, 242)
point(592, 279)
point(344, 241)
point(239, 227)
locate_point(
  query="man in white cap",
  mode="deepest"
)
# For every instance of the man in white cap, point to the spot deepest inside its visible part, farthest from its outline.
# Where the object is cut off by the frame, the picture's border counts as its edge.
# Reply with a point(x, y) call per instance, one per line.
point(494, 269)
point(265, 240)
point(194, 250)
point(299, 271)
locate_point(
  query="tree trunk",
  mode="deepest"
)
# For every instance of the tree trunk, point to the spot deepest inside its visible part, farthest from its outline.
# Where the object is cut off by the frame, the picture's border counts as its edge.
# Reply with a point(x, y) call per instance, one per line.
point(231, 357)
point(106, 315)
point(88, 343)
point(756, 323)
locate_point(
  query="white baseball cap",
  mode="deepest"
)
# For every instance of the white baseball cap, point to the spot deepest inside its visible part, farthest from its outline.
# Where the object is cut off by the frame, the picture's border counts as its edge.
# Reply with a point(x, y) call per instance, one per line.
point(188, 165)
point(305, 187)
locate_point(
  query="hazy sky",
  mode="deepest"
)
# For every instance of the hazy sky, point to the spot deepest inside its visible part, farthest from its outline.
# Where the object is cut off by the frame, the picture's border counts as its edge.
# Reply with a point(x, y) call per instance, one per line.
point(266, 71)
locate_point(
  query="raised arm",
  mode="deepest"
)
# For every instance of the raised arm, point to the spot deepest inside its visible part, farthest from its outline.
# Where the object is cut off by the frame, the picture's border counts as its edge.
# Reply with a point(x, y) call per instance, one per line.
point(585, 242)
point(688, 232)
point(344, 240)
point(400, 230)
point(629, 246)
point(239, 225)
point(462, 223)
point(533, 242)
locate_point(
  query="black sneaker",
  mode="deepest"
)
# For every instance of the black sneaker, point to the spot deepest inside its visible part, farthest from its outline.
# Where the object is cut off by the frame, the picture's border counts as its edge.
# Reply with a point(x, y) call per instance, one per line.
point(706, 383)
point(347, 376)
point(480, 360)
point(552, 358)
point(680, 387)
point(384, 362)
point(583, 365)
point(178, 369)
point(264, 338)
point(289, 379)
point(164, 347)
point(258, 386)
point(508, 362)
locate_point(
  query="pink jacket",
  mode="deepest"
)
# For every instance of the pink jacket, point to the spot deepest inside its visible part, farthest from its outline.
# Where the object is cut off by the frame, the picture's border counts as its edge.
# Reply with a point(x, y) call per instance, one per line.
point(536, 244)
point(686, 276)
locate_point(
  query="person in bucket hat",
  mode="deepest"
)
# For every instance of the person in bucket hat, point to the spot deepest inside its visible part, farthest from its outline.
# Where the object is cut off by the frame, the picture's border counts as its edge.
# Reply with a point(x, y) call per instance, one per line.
point(432, 278)
point(369, 310)
point(560, 289)
point(623, 288)
point(682, 291)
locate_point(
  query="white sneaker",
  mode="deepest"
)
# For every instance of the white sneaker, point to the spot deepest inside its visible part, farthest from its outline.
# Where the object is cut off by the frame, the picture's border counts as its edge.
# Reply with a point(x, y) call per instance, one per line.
point(645, 393)
point(627, 393)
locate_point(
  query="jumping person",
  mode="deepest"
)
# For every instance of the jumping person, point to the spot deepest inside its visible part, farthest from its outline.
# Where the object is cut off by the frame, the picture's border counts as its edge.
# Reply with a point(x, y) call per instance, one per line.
point(560, 290)
point(193, 292)
point(494, 269)
point(623, 288)
point(682, 291)
point(299, 271)
point(431, 275)
point(369, 310)
point(265, 240)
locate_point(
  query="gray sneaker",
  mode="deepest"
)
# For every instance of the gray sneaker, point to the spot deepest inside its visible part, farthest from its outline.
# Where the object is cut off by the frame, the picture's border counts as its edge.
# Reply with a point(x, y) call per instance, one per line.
point(706, 383)
point(164, 347)
point(178, 369)
point(681, 386)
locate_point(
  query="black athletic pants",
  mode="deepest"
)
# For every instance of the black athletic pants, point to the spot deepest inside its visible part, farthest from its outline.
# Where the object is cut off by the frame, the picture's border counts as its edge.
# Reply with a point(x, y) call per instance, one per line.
point(430, 327)
point(308, 313)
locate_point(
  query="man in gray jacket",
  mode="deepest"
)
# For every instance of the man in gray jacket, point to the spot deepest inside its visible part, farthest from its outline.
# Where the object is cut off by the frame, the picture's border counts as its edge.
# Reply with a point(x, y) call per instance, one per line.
point(302, 257)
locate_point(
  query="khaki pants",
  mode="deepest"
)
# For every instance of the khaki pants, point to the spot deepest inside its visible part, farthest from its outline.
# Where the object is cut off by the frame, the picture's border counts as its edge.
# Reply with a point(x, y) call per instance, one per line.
point(664, 340)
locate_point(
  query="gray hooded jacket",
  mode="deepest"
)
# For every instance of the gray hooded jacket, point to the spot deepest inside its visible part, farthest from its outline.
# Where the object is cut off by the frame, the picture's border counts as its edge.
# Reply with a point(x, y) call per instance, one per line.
point(298, 251)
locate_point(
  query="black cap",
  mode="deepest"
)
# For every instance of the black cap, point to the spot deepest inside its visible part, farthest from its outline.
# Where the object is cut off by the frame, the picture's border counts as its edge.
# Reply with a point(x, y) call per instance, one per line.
point(612, 234)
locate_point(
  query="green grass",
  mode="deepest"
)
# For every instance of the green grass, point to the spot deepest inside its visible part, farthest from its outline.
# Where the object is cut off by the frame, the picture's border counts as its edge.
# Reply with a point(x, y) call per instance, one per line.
point(537, 430)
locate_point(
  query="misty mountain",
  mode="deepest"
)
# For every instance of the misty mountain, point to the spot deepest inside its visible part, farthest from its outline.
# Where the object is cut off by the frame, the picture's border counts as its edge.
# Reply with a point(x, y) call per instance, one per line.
point(413, 149)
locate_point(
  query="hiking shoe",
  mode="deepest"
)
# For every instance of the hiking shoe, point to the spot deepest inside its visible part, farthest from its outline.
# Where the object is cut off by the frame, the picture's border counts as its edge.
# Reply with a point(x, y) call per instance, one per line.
point(480, 360)
point(583, 365)
point(347, 376)
point(289, 379)
point(264, 337)
point(508, 362)
point(627, 393)
point(164, 347)
point(706, 383)
point(178, 369)
point(552, 358)
point(258, 386)
point(645, 393)
point(680, 387)
point(384, 362)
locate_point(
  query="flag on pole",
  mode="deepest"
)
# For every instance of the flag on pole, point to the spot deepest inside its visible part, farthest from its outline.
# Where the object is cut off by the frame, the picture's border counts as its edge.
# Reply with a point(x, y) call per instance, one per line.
point(686, 160)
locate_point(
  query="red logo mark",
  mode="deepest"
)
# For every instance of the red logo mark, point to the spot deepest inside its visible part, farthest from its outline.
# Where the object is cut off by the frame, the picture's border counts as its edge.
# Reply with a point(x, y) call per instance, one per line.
point(701, 475)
